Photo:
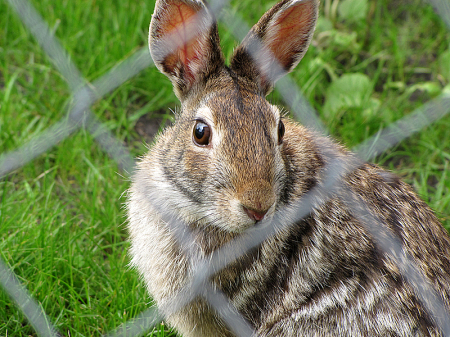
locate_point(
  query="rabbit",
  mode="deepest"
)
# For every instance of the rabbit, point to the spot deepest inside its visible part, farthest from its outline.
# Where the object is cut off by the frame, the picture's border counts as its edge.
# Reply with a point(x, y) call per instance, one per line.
point(232, 161)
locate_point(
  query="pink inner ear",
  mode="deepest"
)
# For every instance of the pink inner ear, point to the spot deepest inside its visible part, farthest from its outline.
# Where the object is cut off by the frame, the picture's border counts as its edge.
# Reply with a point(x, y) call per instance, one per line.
point(181, 25)
point(293, 28)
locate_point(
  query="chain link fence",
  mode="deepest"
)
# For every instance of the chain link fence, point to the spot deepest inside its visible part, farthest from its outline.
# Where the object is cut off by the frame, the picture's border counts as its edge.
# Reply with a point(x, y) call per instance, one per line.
point(86, 94)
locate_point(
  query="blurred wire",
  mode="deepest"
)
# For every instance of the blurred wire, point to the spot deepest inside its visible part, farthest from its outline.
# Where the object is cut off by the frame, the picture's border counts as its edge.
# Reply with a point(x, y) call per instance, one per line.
point(30, 308)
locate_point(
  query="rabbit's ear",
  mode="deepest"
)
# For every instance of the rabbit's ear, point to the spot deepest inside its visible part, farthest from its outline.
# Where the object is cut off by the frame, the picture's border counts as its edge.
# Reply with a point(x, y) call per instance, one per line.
point(184, 43)
point(277, 43)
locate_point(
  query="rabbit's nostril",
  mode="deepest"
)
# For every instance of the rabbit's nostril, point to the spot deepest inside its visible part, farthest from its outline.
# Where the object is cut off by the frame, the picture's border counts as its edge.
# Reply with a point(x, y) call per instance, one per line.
point(255, 215)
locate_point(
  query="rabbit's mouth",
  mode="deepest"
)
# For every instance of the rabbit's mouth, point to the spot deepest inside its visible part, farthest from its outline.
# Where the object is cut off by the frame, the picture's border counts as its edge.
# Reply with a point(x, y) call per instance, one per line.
point(237, 217)
point(256, 215)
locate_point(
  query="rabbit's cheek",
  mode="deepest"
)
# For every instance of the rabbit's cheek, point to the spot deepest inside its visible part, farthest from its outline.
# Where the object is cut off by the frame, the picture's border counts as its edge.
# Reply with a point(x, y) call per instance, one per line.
point(232, 218)
point(229, 215)
point(197, 165)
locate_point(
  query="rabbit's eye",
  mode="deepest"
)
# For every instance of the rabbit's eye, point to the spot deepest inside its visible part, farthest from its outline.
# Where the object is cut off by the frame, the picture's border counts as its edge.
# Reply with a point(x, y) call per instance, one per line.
point(280, 132)
point(201, 133)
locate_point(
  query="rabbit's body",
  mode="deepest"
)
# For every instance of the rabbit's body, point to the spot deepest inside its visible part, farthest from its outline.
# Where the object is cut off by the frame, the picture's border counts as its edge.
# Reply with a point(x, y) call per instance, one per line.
point(323, 275)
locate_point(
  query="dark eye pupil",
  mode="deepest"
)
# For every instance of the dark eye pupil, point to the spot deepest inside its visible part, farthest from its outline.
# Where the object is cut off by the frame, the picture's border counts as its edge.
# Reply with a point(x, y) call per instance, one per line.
point(199, 130)
point(280, 132)
point(201, 133)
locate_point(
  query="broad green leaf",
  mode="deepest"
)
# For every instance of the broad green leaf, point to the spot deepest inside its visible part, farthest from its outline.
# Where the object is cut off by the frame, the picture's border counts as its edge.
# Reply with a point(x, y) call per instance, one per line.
point(353, 10)
point(349, 91)
point(444, 65)
point(323, 25)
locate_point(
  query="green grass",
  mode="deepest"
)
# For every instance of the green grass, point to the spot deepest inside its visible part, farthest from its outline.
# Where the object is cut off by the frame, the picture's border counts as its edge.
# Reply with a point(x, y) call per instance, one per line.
point(62, 217)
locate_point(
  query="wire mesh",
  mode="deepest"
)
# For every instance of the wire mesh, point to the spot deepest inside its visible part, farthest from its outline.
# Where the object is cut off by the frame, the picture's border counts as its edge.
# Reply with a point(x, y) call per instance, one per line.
point(86, 94)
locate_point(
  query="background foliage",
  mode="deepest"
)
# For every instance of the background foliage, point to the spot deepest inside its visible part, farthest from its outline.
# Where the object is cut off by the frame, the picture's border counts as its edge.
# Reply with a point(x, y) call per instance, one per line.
point(61, 216)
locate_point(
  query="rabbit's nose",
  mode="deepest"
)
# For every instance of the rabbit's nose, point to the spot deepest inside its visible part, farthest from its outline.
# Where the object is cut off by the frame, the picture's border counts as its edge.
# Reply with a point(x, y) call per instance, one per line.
point(256, 197)
point(255, 215)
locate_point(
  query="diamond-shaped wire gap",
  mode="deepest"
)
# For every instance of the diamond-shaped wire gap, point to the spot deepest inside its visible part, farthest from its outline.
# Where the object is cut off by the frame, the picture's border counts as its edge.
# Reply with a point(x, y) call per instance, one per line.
point(30, 308)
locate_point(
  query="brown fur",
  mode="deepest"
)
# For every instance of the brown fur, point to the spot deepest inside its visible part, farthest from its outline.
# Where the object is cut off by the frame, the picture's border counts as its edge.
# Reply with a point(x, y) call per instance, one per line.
point(323, 275)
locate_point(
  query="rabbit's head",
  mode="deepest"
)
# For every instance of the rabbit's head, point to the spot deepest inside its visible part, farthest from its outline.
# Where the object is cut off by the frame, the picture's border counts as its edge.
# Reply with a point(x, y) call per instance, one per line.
point(224, 156)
